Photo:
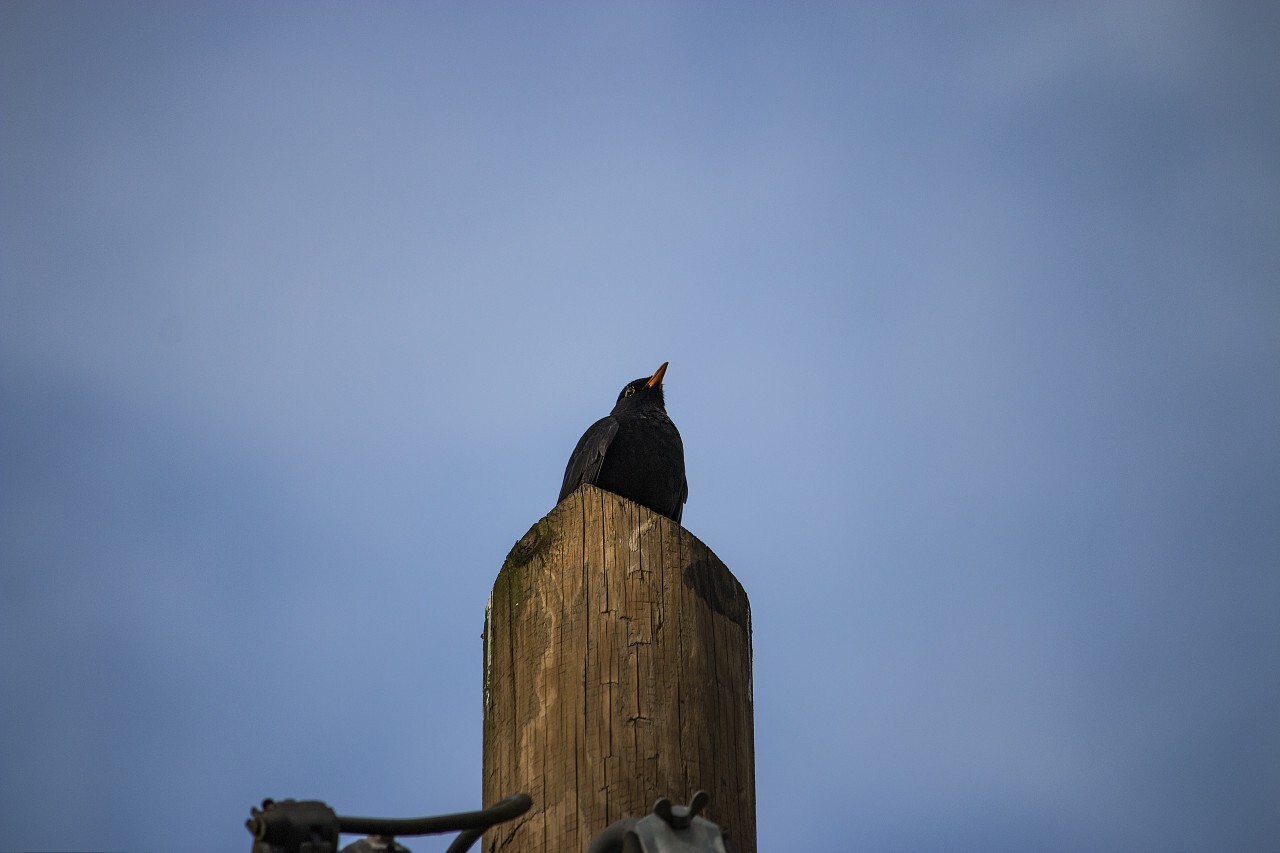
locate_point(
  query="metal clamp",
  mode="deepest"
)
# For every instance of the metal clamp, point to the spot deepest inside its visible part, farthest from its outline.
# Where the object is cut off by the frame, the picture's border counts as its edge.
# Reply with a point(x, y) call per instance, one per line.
point(670, 829)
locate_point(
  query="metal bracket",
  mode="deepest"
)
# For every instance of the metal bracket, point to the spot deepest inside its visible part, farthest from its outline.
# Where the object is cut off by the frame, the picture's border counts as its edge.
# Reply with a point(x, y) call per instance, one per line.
point(669, 829)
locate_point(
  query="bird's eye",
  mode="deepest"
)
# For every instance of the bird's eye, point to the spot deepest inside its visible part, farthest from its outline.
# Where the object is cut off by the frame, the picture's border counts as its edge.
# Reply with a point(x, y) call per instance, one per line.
point(631, 389)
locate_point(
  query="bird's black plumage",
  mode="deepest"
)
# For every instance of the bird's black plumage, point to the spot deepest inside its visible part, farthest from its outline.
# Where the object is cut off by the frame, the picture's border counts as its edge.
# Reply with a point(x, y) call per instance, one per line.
point(635, 452)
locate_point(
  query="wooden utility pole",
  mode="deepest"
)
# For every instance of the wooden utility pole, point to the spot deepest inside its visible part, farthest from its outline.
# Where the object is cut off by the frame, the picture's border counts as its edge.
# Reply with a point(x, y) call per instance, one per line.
point(617, 670)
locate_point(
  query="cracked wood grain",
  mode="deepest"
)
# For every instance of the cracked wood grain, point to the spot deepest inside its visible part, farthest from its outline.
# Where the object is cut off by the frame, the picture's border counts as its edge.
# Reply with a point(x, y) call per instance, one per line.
point(617, 671)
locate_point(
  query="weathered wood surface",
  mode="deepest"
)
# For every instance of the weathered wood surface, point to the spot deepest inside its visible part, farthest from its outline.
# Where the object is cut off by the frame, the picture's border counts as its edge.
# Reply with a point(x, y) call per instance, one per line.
point(617, 669)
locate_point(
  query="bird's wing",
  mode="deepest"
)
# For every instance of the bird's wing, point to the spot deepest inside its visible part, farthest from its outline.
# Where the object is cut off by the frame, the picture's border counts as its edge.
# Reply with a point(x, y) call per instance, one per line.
point(588, 456)
point(684, 496)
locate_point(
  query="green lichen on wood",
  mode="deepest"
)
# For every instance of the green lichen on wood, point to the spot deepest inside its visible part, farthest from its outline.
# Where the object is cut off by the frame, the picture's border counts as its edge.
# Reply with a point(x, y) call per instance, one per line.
point(512, 578)
point(531, 544)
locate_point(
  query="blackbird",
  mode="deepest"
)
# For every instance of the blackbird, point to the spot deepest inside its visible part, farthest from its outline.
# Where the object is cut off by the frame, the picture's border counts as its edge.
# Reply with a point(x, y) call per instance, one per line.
point(635, 452)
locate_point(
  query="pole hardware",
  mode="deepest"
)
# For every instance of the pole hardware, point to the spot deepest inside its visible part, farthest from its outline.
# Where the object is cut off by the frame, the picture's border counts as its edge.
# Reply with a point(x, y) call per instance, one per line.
point(669, 829)
point(310, 826)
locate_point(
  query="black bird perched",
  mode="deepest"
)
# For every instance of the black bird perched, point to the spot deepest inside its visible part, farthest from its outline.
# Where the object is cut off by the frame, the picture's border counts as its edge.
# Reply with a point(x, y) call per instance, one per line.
point(635, 452)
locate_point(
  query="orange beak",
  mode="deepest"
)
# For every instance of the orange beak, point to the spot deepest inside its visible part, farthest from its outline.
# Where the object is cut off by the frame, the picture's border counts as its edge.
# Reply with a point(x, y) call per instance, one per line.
point(656, 378)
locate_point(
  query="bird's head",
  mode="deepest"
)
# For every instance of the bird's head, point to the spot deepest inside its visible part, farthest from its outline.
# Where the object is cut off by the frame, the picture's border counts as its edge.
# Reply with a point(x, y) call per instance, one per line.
point(642, 393)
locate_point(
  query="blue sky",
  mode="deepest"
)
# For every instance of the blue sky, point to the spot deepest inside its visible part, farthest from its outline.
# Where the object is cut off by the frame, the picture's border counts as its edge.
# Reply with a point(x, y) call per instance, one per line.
point(973, 315)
